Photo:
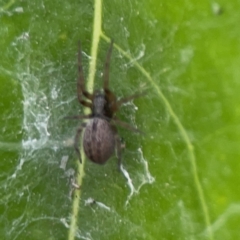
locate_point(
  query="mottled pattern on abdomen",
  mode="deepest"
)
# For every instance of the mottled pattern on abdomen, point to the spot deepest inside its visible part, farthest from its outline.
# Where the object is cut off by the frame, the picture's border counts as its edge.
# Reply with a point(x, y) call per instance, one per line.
point(99, 140)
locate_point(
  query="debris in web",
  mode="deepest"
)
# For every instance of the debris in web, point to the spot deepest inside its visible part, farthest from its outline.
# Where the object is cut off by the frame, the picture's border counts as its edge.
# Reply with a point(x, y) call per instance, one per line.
point(63, 163)
point(141, 52)
point(91, 201)
point(129, 182)
point(144, 178)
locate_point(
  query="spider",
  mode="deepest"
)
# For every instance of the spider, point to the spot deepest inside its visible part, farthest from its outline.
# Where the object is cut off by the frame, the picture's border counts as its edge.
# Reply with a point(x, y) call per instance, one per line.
point(100, 137)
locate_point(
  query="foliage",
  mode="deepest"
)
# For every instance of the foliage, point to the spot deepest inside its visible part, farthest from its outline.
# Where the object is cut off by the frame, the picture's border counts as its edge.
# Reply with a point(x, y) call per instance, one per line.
point(184, 169)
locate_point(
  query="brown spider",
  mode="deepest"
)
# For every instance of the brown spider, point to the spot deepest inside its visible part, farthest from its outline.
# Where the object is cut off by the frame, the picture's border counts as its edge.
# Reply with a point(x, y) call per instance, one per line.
point(100, 137)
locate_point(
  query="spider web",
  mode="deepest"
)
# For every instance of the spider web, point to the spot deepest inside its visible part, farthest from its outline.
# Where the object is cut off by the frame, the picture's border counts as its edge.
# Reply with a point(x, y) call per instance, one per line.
point(38, 172)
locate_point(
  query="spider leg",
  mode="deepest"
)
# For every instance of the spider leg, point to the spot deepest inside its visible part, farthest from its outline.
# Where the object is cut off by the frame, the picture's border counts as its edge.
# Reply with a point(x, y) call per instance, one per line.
point(111, 98)
point(112, 101)
point(116, 121)
point(106, 67)
point(129, 98)
point(85, 103)
point(80, 83)
point(76, 140)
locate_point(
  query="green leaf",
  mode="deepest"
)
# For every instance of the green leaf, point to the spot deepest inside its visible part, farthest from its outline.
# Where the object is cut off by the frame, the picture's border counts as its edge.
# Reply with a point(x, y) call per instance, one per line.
point(179, 179)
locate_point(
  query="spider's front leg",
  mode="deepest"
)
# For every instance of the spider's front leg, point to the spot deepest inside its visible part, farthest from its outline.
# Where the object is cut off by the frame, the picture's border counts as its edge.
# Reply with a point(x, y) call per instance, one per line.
point(76, 140)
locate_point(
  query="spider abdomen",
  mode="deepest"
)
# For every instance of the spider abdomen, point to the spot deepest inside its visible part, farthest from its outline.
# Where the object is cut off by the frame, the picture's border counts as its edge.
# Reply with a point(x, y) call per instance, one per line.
point(99, 140)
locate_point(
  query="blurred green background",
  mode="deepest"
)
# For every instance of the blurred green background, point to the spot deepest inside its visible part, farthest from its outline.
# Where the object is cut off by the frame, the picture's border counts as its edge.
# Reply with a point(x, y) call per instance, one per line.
point(191, 51)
